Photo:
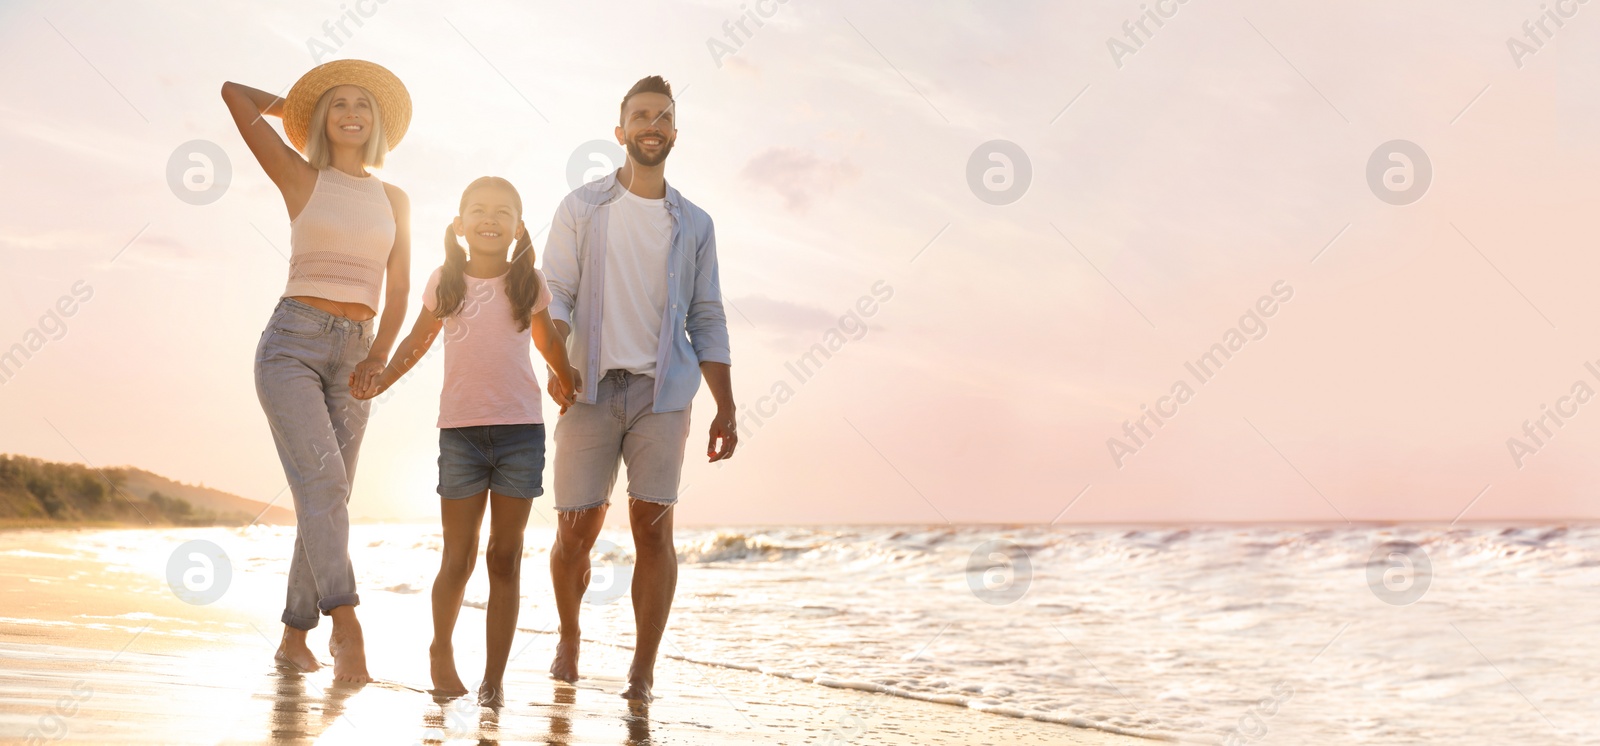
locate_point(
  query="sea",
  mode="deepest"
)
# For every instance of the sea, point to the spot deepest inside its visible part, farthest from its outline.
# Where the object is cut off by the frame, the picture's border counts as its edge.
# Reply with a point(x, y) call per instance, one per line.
point(1218, 635)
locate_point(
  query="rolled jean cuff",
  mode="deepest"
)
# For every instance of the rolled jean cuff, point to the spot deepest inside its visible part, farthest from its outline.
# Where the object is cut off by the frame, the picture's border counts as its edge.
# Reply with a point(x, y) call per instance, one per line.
point(328, 604)
point(298, 622)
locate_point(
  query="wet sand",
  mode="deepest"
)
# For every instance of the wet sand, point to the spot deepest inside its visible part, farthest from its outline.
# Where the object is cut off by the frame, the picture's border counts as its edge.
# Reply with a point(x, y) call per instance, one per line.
point(102, 650)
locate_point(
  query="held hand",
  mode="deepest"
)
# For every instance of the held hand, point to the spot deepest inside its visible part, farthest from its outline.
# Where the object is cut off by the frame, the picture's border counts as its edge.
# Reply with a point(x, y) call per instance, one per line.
point(564, 389)
point(378, 387)
point(725, 428)
point(363, 381)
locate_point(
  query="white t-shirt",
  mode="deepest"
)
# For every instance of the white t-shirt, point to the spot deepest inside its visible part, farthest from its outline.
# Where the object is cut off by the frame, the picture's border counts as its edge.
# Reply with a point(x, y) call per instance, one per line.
point(634, 299)
point(488, 373)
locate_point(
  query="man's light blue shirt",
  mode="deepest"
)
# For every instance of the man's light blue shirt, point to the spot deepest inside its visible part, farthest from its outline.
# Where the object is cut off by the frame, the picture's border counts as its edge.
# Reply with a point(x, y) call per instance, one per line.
point(693, 328)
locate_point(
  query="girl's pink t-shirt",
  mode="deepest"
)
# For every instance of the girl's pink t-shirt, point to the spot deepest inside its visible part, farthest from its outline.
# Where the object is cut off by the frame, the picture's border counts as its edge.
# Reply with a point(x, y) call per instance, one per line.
point(488, 370)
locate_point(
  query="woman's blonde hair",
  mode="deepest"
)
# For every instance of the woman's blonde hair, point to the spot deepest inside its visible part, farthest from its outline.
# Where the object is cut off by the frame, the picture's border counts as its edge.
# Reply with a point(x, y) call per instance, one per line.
point(320, 156)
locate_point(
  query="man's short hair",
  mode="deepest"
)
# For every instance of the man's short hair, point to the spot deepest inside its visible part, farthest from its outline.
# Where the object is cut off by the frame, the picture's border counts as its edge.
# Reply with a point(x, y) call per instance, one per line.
point(648, 84)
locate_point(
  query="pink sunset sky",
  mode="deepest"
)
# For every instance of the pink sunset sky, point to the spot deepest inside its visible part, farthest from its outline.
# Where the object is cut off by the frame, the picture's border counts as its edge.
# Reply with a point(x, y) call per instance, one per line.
point(1171, 188)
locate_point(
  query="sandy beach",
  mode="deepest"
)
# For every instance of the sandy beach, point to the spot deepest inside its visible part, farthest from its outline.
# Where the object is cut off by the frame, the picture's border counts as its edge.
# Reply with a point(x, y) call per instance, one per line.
point(101, 650)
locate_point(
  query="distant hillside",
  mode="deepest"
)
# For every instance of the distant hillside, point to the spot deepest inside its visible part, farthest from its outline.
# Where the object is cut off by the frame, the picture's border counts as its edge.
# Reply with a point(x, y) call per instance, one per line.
point(141, 482)
point(37, 491)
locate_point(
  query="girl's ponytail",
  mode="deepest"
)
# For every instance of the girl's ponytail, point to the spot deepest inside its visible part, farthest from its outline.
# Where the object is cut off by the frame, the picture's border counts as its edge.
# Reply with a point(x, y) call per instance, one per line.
point(452, 288)
point(522, 284)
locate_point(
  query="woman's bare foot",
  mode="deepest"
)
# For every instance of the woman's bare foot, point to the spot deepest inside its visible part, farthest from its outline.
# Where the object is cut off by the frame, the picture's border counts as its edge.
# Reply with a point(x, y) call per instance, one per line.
point(491, 695)
point(294, 651)
point(442, 664)
point(565, 666)
point(348, 648)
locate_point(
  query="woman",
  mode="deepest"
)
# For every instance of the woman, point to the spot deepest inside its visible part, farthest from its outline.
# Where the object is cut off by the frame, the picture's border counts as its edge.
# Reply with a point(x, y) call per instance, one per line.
point(349, 232)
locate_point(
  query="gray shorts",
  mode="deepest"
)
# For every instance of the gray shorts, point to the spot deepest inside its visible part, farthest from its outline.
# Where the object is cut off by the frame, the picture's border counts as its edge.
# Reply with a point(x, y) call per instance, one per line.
point(591, 440)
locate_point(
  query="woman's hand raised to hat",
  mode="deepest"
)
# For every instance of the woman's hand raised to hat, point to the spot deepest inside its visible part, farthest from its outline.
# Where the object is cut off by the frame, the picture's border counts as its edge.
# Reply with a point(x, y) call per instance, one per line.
point(250, 108)
point(264, 102)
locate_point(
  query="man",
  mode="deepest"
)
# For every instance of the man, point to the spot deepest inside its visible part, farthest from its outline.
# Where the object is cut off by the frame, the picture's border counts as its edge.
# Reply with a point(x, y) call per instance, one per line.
point(632, 266)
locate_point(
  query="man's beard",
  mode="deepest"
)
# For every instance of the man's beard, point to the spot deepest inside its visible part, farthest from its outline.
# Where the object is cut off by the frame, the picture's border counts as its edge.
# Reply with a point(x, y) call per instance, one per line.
point(640, 157)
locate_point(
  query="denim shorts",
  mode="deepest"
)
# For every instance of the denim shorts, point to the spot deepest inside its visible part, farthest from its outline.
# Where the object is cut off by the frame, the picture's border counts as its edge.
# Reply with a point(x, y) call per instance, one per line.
point(620, 427)
point(508, 459)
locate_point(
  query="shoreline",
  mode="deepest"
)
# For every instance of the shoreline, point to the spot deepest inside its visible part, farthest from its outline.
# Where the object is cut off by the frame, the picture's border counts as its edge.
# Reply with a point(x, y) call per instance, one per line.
point(867, 687)
point(11, 525)
point(104, 651)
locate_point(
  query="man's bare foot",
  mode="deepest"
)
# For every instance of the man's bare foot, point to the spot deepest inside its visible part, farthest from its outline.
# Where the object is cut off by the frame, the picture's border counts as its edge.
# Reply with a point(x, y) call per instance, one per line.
point(565, 666)
point(491, 695)
point(442, 664)
point(349, 652)
point(298, 656)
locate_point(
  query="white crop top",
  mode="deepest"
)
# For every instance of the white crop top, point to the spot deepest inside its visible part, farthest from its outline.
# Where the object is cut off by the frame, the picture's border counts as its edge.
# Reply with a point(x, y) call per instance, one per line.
point(340, 242)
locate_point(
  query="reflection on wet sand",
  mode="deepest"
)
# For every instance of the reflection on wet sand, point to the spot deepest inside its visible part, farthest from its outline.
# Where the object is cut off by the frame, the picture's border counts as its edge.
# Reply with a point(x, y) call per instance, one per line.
point(459, 718)
point(561, 714)
point(638, 721)
point(294, 716)
point(455, 719)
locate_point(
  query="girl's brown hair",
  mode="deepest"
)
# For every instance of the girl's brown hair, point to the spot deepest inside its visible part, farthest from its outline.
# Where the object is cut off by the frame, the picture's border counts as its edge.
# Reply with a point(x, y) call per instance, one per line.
point(522, 283)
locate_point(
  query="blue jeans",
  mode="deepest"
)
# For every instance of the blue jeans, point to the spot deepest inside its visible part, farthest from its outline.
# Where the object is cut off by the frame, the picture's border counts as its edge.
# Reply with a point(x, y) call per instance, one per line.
point(303, 367)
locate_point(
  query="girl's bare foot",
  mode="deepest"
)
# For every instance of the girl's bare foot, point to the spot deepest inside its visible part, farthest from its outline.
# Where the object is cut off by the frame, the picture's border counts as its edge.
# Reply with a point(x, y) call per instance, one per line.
point(442, 664)
point(349, 649)
point(294, 651)
point(491, 695)
point(638, 689)
point(565, 666)
point(641, 678)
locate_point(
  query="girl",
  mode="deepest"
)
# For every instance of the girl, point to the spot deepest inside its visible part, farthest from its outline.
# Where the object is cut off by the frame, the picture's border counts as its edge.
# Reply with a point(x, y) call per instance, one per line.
point(491, 431)
point(348, 232)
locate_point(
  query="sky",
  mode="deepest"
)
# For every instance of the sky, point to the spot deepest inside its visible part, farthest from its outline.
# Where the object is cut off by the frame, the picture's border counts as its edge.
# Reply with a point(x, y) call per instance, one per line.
point(1017, 225)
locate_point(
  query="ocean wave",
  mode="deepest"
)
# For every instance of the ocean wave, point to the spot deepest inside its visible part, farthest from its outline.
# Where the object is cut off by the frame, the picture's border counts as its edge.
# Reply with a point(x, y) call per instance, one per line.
point(733, 546)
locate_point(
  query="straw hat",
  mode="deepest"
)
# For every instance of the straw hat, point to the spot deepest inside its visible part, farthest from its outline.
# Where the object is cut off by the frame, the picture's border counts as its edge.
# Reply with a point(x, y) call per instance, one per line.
point(394, 103)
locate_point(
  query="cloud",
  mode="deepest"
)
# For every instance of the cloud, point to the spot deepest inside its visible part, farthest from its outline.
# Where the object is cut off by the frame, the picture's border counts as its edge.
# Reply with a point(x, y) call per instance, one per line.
point(743, 66)
point(798, 175)
point(783, 317)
